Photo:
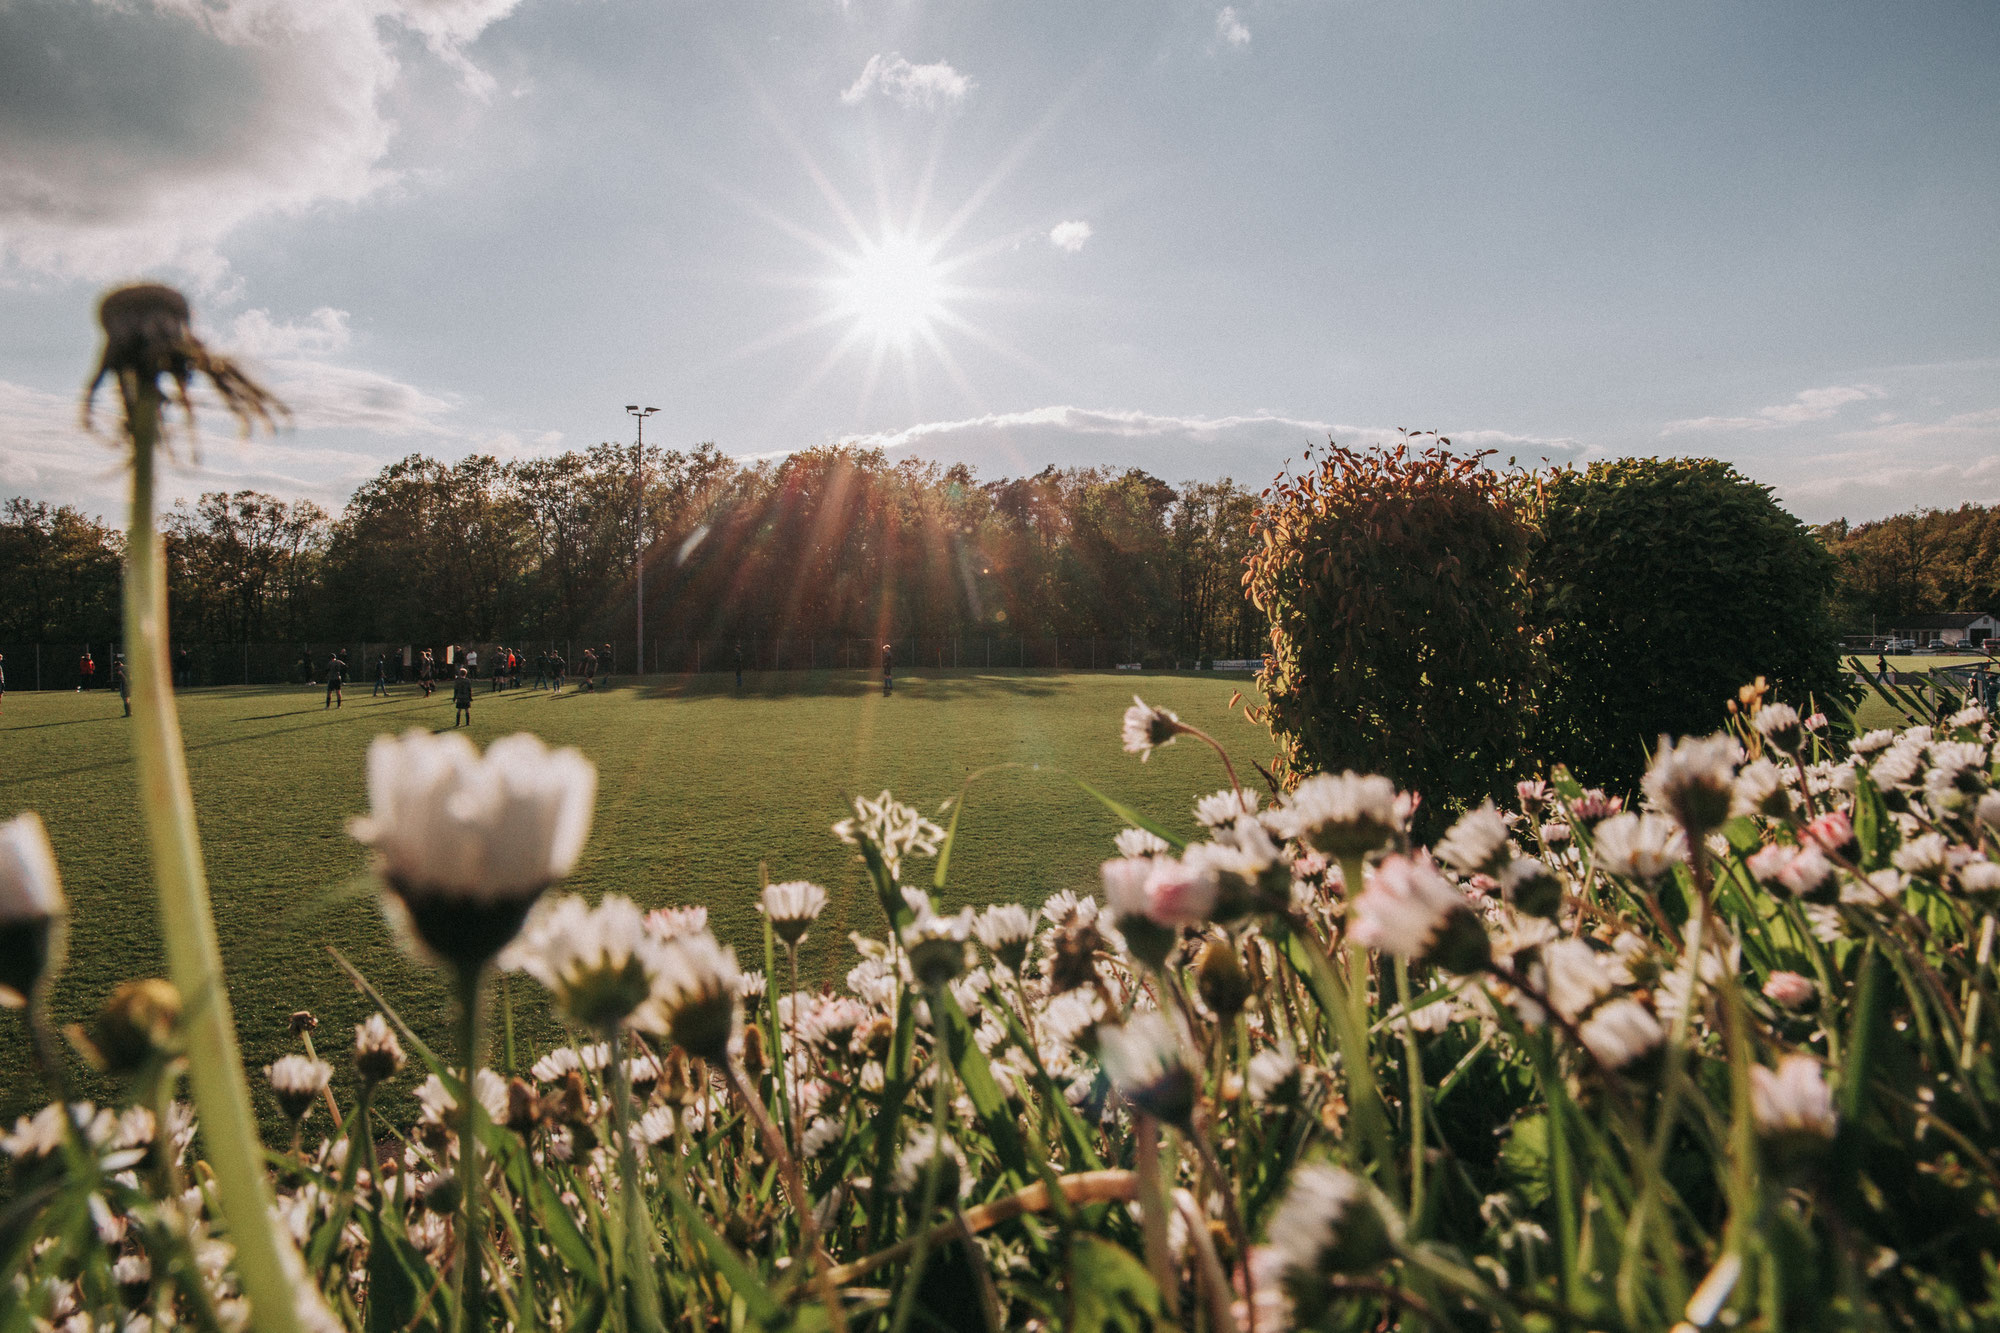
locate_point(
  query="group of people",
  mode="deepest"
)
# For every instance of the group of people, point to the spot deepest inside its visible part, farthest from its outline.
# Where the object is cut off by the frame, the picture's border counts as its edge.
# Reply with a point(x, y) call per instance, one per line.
point(506, 670)
point(86, 678)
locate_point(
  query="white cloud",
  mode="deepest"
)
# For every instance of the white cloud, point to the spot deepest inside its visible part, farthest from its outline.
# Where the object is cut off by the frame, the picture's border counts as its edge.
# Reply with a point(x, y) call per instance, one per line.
point(1808, 405)
point(894, 77)
point(1069, 236)
point(197, 116)
point(1253, 447)
point(1229, 26)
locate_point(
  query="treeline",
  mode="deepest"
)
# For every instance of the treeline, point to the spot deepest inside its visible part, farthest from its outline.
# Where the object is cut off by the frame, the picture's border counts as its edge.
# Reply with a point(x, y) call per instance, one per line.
point(823, 543)
point(1931, 562)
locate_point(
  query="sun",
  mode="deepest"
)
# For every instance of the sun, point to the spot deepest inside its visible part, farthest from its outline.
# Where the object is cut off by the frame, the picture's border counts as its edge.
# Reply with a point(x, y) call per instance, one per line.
point(894, 288)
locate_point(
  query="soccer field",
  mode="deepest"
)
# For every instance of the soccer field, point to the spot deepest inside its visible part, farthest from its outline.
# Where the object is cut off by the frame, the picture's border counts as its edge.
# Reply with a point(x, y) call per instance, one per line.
point(698, 783)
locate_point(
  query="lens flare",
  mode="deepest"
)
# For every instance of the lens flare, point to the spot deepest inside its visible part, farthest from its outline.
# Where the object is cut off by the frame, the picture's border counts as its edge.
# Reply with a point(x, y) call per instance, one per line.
point(893, 289)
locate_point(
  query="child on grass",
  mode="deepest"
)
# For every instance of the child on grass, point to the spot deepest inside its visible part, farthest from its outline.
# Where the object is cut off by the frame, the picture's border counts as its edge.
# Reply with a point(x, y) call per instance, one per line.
point(461, 698)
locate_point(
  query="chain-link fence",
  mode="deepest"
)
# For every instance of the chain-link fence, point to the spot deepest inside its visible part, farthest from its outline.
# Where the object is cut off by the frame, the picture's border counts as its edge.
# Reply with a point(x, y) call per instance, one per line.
point(61, 666)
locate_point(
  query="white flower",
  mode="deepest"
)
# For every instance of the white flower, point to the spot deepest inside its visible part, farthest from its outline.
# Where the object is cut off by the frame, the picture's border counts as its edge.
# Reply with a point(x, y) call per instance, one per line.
point(1790, 990)
point(1979, 877)
point(599, 963)
point(1136, 842)
point(893, 829)
point(378, 1056)
point(1620, 1032)
point(439, 1105)
point(1274, 1074)
point(1971, 715)
point(1144, 1060)
point(1071, 1014)
point(936, 945)
point(298, 1080)
point(1779, 724)
point(1760, 790)
point(792, 907)
point(1989, 810)
point(667, 923)
point(1576, 978)
point(1693, 778)
point(1146, 728)
point(820, 1135)
point(31, 907)
point(1898, 766)
point(1826, 922)
point(1412, 911)
point(1921, 856)
point(913, 1165)
point(1880, 739)
point(698, 995)
point(1225, 807)
point(1793, 1101)
point(1806, 872)
point(445, 821)
point(1006, 930)
point(1643, 846)
point(557, 1064)
point(1477, 843)
point(1330, 1222)
point(1350, 814)
point(30, 889)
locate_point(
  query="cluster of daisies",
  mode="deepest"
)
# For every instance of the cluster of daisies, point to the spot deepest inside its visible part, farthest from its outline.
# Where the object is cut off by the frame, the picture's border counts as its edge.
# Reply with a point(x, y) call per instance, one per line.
point(1234, 991)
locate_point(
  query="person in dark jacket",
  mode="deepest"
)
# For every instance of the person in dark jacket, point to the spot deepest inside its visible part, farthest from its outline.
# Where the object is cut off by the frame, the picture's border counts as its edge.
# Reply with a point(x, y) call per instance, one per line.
point(122, 683)
point(888, 669)
point(461, 698)
point(336, 676)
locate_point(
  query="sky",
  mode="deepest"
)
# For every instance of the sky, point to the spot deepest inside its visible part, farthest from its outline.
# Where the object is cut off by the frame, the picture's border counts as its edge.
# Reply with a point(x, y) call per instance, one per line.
point(1187, 237)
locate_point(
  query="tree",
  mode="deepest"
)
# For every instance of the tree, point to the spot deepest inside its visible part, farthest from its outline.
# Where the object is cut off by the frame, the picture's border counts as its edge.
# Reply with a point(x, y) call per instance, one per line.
point(59, 574)
point(1662, 586)
point(1393, 580)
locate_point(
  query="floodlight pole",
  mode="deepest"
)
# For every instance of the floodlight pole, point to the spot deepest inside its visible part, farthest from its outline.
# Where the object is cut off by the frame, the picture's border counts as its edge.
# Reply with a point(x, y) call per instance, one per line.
point(639, 530)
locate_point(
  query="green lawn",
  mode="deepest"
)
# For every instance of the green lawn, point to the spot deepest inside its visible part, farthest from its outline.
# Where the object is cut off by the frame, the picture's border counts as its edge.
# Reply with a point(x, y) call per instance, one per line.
point(697, 785)
point(1875, 711)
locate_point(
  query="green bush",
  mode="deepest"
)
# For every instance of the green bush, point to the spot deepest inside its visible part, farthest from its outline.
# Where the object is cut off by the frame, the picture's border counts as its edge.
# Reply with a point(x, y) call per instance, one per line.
point(1660, 586)
point(1393, 581)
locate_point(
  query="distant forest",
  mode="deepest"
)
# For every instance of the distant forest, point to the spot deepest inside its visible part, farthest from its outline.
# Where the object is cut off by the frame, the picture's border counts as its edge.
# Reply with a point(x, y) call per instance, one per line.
point(823, 543)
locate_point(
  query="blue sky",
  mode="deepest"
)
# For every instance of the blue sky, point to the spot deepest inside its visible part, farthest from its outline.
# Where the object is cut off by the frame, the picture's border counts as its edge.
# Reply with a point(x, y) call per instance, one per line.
point(1188, 237)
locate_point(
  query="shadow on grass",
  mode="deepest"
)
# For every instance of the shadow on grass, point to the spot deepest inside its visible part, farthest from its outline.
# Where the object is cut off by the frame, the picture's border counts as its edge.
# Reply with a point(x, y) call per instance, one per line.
point(842, 683)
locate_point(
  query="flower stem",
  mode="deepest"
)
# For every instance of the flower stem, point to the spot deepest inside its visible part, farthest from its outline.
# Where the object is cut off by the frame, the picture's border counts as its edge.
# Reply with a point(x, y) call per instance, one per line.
point(187, 921)
point(795, 1185)
point(471, 1289)
point(644, 1288)
point(906, 1300)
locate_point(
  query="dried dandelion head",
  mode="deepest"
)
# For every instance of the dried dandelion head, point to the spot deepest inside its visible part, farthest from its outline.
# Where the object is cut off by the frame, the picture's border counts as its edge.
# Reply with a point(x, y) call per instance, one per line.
point(147, 334)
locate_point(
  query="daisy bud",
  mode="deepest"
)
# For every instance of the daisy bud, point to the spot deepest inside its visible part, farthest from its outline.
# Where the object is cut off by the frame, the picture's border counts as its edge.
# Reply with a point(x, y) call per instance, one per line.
point(1694, 779)
point(1412, 911)
point(1780, 727)
point(1275, 1078)
point(1807, 875)
point(466, 843)
point(298, 1080)
point(1642, 847)
point(378, 1056)
point(1331, 1223)
point(1225, 807)
point(1874, 742)
point(1533, 795)
point(1477, 843)
point(133, 1276)
point(1138, 842)
point(1760, 790)
point(138, 1026)
point(1980, 878)
point(31, 909)
point(756, 1062)
point(1556, 833)
point(792, 907)
point(1147, 728)
point(1145, 1063)
point(598, 962)
point(1220, 980)
point(1342, 816)
point(696, 995)
point(913, 1168)
point(524, 1107)
point(1125, 895)
point(1006, 930)
point(667, 923)
point(1832, 833)
point(1789, 990)
point(1792, 1108)
point(1594, 805)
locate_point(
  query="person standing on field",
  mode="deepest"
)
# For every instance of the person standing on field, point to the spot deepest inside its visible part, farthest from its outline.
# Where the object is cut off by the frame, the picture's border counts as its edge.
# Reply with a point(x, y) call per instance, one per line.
point(3, 679)
point(336, 674)
point(738, 655)
point(461, 698)
point(590, 671)
point(381, 676)
point(121, 683)
point(888, 669)
point(85, 669)
point(604, 664)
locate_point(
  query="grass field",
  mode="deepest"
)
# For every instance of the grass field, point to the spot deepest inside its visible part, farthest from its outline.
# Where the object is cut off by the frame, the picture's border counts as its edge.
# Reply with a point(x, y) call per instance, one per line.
point(697, 784)
point(1874, 710)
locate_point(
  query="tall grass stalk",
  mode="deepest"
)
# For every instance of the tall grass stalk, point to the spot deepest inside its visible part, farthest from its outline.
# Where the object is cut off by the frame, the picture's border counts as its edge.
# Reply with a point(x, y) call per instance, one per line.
point(187, 921)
